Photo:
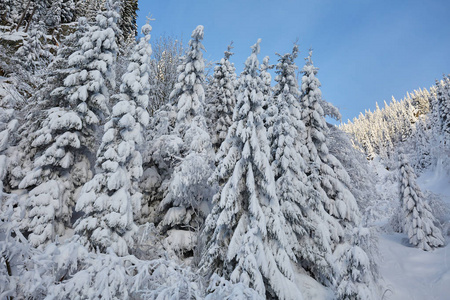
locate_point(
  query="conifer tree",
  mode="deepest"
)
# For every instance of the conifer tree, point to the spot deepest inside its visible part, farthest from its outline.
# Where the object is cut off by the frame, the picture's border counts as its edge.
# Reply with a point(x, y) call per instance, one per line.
point(422, 144)
point(443, 100)
point(339, 203)
point(221, 99)
point(329, 181)
point(267, 81)
point(35, 50)
point(64, 142)
point(111, 200)
point(188, 95)
point(92, 71)
point(418, 220)
point(246, 237)
point(289, 155)
point(188, 189)
point(269, 109)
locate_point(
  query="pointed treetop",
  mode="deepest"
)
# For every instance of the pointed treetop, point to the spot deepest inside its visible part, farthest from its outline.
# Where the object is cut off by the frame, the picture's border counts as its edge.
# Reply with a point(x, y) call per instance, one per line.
point(256, 47)
point(146, 29)
point(228, 53)
point(197, 34)
point(295, 51)
point(308, 59)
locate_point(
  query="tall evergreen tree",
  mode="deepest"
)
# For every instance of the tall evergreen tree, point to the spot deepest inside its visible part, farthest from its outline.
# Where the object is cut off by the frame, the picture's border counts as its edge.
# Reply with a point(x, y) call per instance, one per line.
point(289, 155)
point(418, 220)
point(111, 200)
point(188, 190)
point(443, 101)
point(189, 95)
point(64, 142)
point(221, 99)
point(329, 182)
point(246, 236)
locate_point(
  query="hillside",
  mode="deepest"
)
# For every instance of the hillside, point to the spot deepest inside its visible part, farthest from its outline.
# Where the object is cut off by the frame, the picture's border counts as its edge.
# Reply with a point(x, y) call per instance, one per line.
point(128, 173)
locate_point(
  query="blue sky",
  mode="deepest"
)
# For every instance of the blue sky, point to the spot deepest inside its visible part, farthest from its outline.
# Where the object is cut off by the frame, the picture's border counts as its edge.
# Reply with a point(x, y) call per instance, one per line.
point(366, 51)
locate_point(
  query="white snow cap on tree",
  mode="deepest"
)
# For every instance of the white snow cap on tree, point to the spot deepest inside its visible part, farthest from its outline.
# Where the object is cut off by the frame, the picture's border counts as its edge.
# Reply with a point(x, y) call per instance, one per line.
point(418, 220)
point(111, 199)
point(247, 241)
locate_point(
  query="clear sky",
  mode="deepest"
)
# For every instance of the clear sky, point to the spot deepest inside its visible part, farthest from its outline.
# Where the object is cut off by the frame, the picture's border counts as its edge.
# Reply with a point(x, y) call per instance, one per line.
point(366, 51)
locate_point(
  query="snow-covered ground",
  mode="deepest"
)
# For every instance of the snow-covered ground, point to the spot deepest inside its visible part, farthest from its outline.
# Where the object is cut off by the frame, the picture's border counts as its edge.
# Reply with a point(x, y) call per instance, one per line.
point(410, 273)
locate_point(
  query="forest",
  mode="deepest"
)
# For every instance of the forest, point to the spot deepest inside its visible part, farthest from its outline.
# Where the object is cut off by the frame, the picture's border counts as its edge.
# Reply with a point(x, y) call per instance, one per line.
point(133, 168)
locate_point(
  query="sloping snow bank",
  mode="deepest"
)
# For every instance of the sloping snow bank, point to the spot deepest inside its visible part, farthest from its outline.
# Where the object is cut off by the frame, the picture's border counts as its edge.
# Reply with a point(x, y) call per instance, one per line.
point(410, 273)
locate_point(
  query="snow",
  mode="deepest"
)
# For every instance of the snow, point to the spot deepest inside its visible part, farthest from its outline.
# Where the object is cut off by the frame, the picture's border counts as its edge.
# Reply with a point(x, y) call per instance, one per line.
point(411, 273)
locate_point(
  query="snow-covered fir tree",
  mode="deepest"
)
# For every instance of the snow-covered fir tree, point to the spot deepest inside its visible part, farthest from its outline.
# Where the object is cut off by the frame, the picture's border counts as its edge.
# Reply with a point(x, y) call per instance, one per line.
point(92, 71)
point(288, 157)
point(443, 101)
point(35, 50)
point(189, 95)
point(417, 219)
point(111, 201)
point(267, 81)
point(330, 183)
point(246, 239)
point(185, 203)
point(221, 99)
point(64, 142)
point(307, 221)
point(269, 109)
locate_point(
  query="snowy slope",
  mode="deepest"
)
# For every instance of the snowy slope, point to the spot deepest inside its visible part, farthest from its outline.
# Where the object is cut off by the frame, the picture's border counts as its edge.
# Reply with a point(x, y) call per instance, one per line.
point(410, 273)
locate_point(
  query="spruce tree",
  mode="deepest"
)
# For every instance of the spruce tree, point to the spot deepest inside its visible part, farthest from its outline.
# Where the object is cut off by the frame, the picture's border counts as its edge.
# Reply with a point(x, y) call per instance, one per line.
point(35, 51)
point(183, 206)
point(269, 109)
point(443, 100)
point(221, 99)
point(246, 236)
point(340, 203)
point(289, 156)
point(92, 71)
point(64, 142)
point(418, 220)
point(111, 200)
point(189, 95)
point(330, 183)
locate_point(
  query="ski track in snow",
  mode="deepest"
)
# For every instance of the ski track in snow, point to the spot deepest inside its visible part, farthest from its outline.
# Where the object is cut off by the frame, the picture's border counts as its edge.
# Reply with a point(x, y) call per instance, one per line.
point(408, 272)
